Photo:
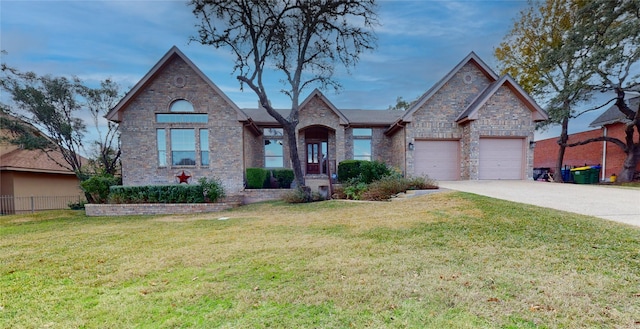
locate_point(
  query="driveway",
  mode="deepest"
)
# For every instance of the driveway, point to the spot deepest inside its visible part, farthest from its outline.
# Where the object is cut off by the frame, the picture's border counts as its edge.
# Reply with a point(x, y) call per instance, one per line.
point(608, 202)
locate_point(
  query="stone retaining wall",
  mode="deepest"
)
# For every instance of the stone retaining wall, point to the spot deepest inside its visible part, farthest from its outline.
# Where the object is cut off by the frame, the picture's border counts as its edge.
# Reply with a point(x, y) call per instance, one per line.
point(259, 195)
point(156, 208)
point(247, 197)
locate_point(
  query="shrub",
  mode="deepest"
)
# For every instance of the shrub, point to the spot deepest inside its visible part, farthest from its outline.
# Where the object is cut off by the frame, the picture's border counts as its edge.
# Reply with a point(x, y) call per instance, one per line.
point(422, 183)
point(212, 189)
point(297, 195)
point(354, 189)
point(372, 171)
point(208, 190)
point(385, 188)
point(338, 193)
point(283, 176)
point(76, 205)
point(362, 170)
point(348, 169)
point(96, 188)
point(256, 177)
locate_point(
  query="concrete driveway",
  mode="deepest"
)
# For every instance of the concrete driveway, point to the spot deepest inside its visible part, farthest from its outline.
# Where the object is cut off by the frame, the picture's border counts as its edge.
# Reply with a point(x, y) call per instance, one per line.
point(608, 202)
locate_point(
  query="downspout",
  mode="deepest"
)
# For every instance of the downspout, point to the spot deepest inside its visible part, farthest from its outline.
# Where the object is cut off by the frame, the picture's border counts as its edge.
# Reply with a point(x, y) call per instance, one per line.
point(604, 156)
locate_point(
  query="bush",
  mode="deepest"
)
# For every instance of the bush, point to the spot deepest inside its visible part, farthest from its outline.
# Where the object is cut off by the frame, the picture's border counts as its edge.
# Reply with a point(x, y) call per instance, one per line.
point(76, 205)
point(385, 188)
point(338, 193)
point(362, 170)
point(208, 190)
point(382, 189)
point(354, 189)
point(212, 189)
point(371, 171)
point(297, 195)
point(422, 183)
point(257, 177)
point(283, 176)
point(96, 188)
point(348, 169)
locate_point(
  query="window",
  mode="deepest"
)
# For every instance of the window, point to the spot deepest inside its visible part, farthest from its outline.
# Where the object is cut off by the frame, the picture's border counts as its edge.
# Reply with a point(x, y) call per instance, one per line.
point(183, 147)
point(204, 147)
point(362, 143)
point(273, 149)
point(181, 118)
point(162, 147)
point(188, 143)
point(181, 105)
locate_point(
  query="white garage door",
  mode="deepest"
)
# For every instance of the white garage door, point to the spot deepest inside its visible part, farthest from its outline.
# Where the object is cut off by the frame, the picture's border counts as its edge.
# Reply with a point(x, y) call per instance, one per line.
point(437, 159)
point(501, 158)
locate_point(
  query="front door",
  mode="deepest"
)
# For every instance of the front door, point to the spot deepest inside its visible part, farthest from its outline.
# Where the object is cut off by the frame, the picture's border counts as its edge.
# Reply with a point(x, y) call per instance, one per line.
point(317, 148)
point(314, 156)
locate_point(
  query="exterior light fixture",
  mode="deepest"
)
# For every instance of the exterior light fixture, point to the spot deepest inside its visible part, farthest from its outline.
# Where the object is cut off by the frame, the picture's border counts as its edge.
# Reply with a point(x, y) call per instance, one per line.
point(532, 144)
point(411, 146)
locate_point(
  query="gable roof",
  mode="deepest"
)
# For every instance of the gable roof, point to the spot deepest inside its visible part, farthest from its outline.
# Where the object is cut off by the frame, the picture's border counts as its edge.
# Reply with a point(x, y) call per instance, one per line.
point(613, 114)
point(317, 93)
point(471, 112)
point(471, 58)
point(115, 113)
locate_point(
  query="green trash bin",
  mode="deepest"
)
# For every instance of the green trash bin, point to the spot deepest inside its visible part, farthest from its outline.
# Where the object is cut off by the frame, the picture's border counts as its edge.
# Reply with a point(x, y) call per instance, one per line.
point(594, 175)
point(581, 175)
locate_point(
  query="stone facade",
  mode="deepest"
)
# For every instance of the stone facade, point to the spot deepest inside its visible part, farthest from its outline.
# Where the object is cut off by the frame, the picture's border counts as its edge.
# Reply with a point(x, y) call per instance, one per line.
point(470, 103)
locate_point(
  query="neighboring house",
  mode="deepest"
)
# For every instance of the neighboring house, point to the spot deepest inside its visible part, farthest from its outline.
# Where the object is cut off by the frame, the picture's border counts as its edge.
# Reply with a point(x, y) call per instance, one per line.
point(608, 155)
point(29, 179)
point(473, 124)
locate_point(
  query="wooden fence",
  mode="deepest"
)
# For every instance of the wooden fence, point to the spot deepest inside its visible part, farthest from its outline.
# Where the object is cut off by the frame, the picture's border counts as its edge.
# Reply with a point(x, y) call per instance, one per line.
point(10, 204)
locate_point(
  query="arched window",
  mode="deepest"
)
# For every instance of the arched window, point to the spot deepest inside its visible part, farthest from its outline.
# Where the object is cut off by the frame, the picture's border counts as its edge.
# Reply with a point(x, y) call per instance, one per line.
point(181, 105)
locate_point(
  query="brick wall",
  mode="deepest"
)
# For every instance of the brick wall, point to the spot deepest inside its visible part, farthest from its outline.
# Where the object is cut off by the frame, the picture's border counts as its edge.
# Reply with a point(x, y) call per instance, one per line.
point(156, 208)
point(503, 115)
point(177, 80)
point(317, 113)
point(546, 151)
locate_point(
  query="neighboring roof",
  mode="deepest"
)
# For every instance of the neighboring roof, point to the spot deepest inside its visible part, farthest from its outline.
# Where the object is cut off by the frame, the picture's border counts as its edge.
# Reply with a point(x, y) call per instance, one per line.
point(471, 112)
point(114, 114)
point(473, 58)
point(613, 114)
point(33, 161)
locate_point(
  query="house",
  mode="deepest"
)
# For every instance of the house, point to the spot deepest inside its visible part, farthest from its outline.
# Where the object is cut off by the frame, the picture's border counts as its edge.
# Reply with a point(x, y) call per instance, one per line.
point(33, 180)
point(175, 122)
point(608, 155)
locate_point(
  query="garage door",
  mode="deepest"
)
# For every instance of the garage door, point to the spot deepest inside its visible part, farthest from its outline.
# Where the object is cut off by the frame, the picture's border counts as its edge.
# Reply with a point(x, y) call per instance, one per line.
point(437, 159)
point(501, 158)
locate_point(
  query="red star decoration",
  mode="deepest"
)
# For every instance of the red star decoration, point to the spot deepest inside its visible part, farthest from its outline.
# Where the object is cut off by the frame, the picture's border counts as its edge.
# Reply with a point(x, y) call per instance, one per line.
point(184, 178)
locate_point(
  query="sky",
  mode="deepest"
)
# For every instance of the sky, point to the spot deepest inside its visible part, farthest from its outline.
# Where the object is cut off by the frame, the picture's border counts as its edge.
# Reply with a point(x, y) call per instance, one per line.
point(418, 43)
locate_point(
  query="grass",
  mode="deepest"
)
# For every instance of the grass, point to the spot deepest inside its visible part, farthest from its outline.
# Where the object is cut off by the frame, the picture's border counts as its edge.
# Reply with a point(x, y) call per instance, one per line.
point(447, 260)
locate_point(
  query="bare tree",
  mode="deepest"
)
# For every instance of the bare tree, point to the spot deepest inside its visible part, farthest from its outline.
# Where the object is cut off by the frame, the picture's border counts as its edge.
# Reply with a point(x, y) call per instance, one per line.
point(99, 101)
point(300, 40)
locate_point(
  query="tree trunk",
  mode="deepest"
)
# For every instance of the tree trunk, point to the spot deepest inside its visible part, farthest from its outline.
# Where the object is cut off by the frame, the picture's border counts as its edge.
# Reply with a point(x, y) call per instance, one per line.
point(562, 142)
point(629, 165)
point(292, 142)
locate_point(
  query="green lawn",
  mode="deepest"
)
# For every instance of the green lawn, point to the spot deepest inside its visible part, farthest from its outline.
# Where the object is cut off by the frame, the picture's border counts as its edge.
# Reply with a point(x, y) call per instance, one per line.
point(448, 260)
